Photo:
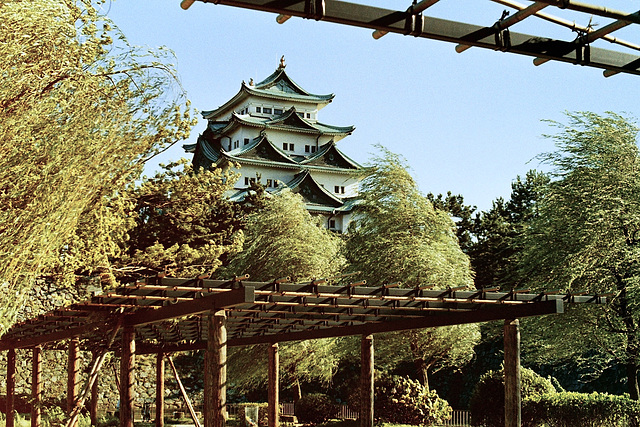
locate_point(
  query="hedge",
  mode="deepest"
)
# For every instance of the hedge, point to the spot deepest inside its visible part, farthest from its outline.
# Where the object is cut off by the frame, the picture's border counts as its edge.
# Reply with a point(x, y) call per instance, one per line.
point(568, 409)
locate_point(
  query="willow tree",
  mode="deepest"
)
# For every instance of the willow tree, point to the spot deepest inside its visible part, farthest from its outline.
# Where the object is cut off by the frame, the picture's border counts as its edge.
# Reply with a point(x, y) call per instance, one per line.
point(586, 234)
point(283, 240)
point(397, 236)
point(80, 112)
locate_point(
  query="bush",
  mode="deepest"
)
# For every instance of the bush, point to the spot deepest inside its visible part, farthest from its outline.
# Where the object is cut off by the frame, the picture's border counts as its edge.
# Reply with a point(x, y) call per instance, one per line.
point(315, 408)
point(487, 400)
point(405, 401)
point(569, 409)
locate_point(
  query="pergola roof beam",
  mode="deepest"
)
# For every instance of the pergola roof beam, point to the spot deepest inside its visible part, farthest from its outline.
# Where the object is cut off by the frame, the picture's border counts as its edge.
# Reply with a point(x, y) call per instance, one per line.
point(568, 24)
point(595, 10)
point(366, 16)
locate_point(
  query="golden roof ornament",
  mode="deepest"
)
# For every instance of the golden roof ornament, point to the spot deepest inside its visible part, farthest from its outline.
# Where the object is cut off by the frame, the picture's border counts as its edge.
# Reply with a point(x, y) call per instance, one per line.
point(282, 64)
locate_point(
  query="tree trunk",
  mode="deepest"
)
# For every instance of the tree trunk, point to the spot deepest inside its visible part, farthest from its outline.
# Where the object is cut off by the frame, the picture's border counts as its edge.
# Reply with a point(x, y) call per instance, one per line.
point(298, 391)
point(423, 371)
point(632, 379)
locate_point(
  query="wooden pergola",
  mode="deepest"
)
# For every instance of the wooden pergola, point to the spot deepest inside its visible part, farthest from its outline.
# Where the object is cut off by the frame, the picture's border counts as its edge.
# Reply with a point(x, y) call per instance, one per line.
point(161, 315)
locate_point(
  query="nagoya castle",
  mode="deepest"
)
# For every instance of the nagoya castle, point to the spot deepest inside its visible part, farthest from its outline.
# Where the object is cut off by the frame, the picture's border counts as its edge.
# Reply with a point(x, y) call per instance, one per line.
point(271, 129)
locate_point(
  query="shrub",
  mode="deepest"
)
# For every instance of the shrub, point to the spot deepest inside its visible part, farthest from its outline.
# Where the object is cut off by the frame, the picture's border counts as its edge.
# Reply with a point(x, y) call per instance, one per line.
point(568, 409)
point(315, 408)
point(487, 400)
point(405, 401)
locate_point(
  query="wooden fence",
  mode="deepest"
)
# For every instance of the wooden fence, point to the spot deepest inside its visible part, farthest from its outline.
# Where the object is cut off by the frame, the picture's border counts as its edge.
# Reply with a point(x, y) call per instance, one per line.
point(459, 418)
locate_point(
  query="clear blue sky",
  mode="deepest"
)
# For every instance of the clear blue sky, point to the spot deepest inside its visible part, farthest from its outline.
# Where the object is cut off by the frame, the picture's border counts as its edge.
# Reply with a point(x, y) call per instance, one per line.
point(467, 123)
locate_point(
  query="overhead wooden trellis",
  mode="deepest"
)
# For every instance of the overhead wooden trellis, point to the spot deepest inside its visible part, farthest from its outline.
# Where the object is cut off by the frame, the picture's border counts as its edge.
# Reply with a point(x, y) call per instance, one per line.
point(259, 312)
point(162, 315)
point(577, 49)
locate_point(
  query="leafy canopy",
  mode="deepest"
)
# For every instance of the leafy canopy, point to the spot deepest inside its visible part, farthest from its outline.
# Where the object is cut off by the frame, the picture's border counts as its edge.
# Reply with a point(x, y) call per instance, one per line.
point(586, 232)
point(80, 112)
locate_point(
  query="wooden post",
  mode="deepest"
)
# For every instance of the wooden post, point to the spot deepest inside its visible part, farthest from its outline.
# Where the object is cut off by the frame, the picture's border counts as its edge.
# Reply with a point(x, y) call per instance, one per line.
point(11, 387)
point(93, 405)
point(274, 387)
point(215, 390)
point(127, 365)
point(160, 390)
point(512, 379)
point(36, 387)
point(72, 374)
point(366, 381)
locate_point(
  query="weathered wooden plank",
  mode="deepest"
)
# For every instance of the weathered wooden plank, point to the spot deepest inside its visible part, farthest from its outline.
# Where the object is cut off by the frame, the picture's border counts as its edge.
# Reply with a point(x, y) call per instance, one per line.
point(11, 388)
point(512, 378)
point(127, 366)
point(216, 371)
point(366, 381)
point(274, 386)
point(159, 422)
point(36, 387)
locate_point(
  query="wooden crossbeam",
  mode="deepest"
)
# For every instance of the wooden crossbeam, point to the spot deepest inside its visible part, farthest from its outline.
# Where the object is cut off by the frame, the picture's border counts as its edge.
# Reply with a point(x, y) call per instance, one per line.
point(409, 23)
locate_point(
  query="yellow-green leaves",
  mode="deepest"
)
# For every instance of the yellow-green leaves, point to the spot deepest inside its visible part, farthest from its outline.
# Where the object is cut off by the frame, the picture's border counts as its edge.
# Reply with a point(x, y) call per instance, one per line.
point(78, 117)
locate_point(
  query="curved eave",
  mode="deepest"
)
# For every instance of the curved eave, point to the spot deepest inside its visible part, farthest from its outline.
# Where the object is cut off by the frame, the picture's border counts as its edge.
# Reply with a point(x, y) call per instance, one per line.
point(277, 165)
point(324, 150)
point(241, 95)
point(281, 74)
point(238, 153)
point(313, 99)
point(189, 148)
point(306, 176)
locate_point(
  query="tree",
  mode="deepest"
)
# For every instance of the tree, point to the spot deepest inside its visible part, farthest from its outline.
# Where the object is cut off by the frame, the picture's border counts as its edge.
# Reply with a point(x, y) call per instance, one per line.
point(80, 112)
point(283, 240)
point(398, 236)
point(497, 233)
point(586, 232)
point(184, 223)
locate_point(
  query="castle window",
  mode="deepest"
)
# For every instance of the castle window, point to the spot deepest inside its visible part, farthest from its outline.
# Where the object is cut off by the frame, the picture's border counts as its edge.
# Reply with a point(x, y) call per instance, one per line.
point(308, 115)
point(246, 180)
point(266, 110)
point(277, 111)
point(246, 141)
point(313, 148)
point(285, 145)
point(258, 110)
point(332, 223)
point(236, 144)
point(269, 183)
point(307, 148)
point(292, 147)
point(336, 189)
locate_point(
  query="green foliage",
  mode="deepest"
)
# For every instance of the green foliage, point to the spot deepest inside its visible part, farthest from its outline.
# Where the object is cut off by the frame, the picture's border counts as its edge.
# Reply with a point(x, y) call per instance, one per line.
point(579, 409)
point(282, 239)
point(315, 408)
point(406, 401)
point(487, 400)
point(497, 232)
point(80, 112)
point(300, 361)
point(431, 349)
point(183, 222)
point(398, 236)
point(585, 234)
